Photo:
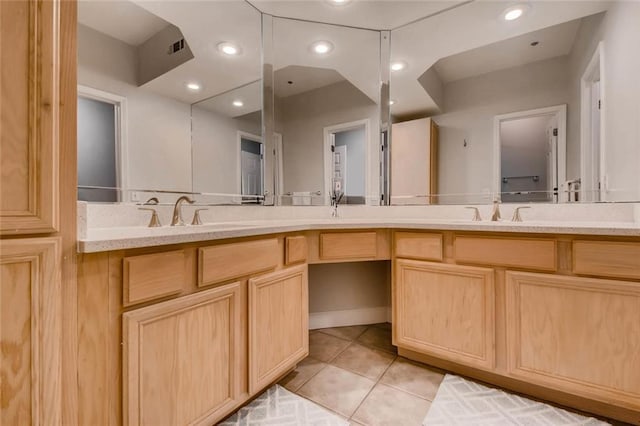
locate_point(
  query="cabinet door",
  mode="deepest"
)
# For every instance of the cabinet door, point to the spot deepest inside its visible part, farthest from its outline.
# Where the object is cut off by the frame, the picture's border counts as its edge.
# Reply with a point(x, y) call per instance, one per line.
point(445, 311)
point(278, 324)
point(28, 115)
point(579, 335)
point(30, 332)
point(181, 359)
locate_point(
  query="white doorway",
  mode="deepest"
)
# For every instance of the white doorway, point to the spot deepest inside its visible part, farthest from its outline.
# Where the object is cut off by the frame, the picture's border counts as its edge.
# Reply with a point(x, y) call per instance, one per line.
point(530, 155)
point(593, 176)
point(250, 166)
point(346, 161)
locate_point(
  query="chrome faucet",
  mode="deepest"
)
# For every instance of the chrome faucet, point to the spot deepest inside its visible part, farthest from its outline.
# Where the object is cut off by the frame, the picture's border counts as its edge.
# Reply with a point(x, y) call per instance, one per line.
point(495, 214)
point(176, 220)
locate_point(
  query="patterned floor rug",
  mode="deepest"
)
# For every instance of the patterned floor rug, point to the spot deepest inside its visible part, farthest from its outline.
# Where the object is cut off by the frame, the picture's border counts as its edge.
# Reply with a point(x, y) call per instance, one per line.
point(278, 406)
point(462, 402)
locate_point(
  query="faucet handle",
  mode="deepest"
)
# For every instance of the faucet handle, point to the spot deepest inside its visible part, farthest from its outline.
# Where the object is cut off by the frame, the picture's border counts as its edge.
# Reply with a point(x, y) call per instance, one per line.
point(151, 201)
point(476, 214)
point(155, 221)
point(516, 214)
point(196, 217)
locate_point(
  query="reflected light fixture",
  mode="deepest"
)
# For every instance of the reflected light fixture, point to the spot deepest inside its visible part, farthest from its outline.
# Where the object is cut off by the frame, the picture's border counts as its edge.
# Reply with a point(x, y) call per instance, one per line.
point(391, 102)
point(514, 12)
point(229, 48)
point(238, 103)
point(322, 47)
point(339, 2)
point(398, 66)
point(193, 86)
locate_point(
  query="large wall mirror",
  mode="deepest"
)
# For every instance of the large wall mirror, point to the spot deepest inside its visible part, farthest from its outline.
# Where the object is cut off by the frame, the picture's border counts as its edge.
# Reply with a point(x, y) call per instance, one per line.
point(170, 101)
point(326, 115)
point(538, 104)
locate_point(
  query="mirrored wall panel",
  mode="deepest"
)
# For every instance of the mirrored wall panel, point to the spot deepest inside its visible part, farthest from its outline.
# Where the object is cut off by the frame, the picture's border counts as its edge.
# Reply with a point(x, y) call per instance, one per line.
point(326, 85)
point(537, 102)
point(141, 67)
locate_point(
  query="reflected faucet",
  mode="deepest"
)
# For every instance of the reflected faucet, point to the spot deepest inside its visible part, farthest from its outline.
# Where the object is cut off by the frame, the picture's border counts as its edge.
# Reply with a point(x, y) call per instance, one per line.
point(495, 214)
point(176, 220)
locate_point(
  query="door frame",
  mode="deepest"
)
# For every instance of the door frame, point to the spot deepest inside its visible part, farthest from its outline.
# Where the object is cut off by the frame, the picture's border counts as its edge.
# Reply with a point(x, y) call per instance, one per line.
point(122, 157)
point(255, 138)
point(593, 68)
point(560, 111)
point(328, 161)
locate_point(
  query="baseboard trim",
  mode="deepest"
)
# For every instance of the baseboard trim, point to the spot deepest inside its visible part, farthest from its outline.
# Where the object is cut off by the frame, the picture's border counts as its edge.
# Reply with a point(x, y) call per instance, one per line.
point(349, 317)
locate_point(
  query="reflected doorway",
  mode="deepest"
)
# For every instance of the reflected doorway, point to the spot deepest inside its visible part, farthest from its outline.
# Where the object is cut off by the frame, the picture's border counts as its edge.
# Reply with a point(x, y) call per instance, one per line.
point(346, 165)
point(251, 157)
point(530, 151)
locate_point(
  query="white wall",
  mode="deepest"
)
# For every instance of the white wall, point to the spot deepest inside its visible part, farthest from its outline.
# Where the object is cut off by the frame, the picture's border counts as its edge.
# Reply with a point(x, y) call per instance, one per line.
point(302, 120)
point(216, 151)
point(470, 107)
point(159, 129)
point(620, 33)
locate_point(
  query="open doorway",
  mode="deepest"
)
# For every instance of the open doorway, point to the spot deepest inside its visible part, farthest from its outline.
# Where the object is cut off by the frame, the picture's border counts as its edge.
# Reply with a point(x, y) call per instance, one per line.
point(592, 147)
point(346, 161)
point(101, 139)
point(251, 167)
point(530, 155)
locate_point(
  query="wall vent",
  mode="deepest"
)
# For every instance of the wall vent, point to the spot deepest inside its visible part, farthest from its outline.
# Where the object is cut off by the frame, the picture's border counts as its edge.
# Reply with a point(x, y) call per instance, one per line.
point(176, 47)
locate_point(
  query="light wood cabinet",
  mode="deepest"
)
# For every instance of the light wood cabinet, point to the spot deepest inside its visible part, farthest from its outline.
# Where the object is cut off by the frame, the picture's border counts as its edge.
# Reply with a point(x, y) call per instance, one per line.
point(181, 359)
point(278, 324)
point(29, 103)
point(30, 329)
point(580, 335)
point(445, 311)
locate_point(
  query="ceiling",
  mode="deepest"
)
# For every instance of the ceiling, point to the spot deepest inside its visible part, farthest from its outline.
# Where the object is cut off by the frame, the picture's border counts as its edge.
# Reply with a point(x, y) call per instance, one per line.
point(463, 27)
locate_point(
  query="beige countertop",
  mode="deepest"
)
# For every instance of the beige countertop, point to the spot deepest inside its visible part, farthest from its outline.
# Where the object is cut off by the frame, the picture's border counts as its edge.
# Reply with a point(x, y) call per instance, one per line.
point(117, 238)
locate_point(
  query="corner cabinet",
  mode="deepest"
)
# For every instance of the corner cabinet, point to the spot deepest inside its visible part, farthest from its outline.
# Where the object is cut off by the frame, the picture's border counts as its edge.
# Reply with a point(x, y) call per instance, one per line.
point(278, 324)
point(446, 311)
point(182, 359)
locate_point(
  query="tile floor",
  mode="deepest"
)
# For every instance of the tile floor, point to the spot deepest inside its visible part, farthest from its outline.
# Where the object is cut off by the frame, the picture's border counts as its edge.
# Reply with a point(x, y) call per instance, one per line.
point(356, 373)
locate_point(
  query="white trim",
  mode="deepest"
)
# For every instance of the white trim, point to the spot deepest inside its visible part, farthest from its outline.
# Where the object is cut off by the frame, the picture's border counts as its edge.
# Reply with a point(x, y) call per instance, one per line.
point(328, 166)
point(596, 62)
point(122, 154)
point(277, 139)
point(246, 135)
point(561, 112)
point(348, 317)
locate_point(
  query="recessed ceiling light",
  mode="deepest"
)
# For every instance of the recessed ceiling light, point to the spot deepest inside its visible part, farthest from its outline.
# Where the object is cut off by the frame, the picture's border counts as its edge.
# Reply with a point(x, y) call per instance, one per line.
point(238, 103)
point(398, 66)
point(322, 47)
point(391, 102)
point(339, 2)
point(193, 86)
point(229, 48)
point(514, 12)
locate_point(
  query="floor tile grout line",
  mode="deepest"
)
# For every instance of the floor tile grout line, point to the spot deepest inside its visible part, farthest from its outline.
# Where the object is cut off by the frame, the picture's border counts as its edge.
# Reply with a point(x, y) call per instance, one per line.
point(372, 388)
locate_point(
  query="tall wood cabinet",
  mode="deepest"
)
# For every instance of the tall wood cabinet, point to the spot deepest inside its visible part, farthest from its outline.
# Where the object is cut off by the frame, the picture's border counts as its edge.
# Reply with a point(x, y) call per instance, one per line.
point(37, 200)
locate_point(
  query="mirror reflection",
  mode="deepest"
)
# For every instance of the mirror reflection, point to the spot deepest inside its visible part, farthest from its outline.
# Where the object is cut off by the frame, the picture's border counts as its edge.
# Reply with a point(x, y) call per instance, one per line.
point(326, 113)
point(542, 108)
point(141, 65)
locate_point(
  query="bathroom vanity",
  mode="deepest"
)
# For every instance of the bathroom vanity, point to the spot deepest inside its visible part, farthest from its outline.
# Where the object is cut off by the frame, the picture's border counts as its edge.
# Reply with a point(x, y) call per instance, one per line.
point(191, 331)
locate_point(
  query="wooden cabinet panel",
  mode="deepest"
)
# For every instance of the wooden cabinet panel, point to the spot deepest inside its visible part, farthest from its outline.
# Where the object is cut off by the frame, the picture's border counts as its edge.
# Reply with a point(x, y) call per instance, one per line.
point(348, 245)
point(607, 259)
point(152, 276)
point(530, 253)
point(445, 311)
point(575, 334)
point(229, 261)
point(296, 249)
point(29, 98)
point(30, 332)
point(418, 245)
point(278, 324)
point(182, 359)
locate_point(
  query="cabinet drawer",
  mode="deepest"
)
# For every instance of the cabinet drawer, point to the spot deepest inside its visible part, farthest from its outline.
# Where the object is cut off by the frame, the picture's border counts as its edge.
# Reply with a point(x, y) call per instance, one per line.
point(531, 253)
point(152, 276)
point(349, 245)
point(228, 261)
point(295, 249)
point(609, 259)
point(416, 245)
